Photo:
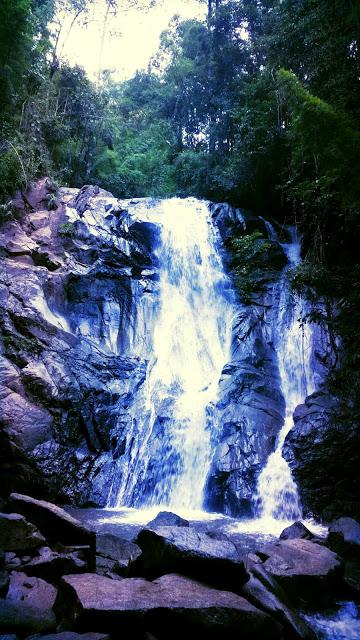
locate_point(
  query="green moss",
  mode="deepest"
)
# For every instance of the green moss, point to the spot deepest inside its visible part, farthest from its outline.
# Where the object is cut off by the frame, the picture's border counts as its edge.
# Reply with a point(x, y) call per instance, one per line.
point(66, 229)
point(253, 259)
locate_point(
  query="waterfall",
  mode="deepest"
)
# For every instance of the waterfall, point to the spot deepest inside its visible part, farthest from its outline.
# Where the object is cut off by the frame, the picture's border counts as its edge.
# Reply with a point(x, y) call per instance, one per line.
point(190, 343)
point(277, 494)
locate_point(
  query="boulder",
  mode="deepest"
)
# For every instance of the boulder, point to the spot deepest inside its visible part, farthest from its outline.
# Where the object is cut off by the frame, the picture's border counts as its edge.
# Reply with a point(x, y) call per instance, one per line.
point(51, 566)
point(296, 530)
point(92, 602)
point(114, 554)
point(53, 522)
point(28, 605)
point(16, 534)
point(307, 571)
point(167, 519)
point(265, 593)
point(344, 537)
point(195, 554)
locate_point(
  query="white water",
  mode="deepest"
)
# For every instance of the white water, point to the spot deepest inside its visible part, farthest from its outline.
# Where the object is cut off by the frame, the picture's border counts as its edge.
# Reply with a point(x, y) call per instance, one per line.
point(277, 494)
point(190, 345)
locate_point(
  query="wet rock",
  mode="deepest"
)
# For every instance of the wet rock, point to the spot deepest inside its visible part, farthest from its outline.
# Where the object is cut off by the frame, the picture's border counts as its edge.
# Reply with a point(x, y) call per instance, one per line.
point(53, 522)
point(185, 550)
point(344, 537)
point(16, 534)
point(167, 519)
point(296, 530)
point(171, 602)
point(115, 555)
point(28, 607)
point(307, 571)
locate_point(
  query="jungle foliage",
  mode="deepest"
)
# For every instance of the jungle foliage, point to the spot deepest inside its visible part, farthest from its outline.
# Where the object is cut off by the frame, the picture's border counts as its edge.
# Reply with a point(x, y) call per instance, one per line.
point(259, 105)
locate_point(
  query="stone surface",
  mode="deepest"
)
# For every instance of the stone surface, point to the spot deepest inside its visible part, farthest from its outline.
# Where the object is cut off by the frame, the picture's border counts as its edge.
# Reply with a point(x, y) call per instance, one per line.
point(344, 537)
point(171, 602)
point(167, 519)
point(28, 607)
point(115, 555)
point(322, 451)
point(51, 566)
point(261, 597)
point(16, 534)
point(185, 550)
point(307, 571)
point(296, 530)
point(53, 522)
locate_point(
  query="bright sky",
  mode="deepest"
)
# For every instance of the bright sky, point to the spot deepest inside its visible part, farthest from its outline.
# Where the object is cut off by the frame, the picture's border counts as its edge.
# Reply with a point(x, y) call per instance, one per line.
point(132, 37)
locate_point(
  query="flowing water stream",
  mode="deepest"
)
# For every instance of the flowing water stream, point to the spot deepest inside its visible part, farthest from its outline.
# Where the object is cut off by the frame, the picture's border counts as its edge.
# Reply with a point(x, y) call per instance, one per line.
point(277, 494)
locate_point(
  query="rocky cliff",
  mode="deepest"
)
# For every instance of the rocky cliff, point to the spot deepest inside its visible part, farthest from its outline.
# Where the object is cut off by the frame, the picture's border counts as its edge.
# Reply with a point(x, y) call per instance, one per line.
point(78, 279)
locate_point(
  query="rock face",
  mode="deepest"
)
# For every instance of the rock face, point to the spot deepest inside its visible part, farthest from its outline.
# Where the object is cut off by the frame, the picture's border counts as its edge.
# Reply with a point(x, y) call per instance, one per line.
point(185, 550)
point(69, 279)
point(171, 602)
point(250, 409)
point(322, 451)
point(78, 290)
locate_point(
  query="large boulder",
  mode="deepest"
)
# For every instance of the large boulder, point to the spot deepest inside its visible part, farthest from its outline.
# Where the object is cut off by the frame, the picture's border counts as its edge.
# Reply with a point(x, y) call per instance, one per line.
point(51, 565)
point(307, 571)
point(172, 605)
point(16, 534)
point(167, 519)
point(53, 522)
point(115, 555)
point(344, 537)
point(322, 451)
point(193, 553)
point(264, 592)
point(28, 607)
point(296, 530)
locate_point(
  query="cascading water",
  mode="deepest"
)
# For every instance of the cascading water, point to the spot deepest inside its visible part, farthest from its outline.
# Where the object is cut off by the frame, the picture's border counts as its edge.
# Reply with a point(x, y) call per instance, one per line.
point(277, 494)
point(191, 336)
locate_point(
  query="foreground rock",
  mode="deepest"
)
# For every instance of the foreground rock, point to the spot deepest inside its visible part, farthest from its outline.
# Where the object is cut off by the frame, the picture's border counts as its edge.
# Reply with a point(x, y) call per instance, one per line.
point(167, 519)
point(53, 522)
point(172, 605)
point(28, 607)
point(307, 571)
point(263, 591)
point(344, 537)
point(195, 554)
point(115, 555)
point(296, 530)
point(51, 565)
point(16, 534)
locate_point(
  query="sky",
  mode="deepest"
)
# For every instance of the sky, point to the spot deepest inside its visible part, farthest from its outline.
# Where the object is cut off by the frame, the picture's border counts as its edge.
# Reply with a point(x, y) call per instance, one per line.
point(132, 37)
